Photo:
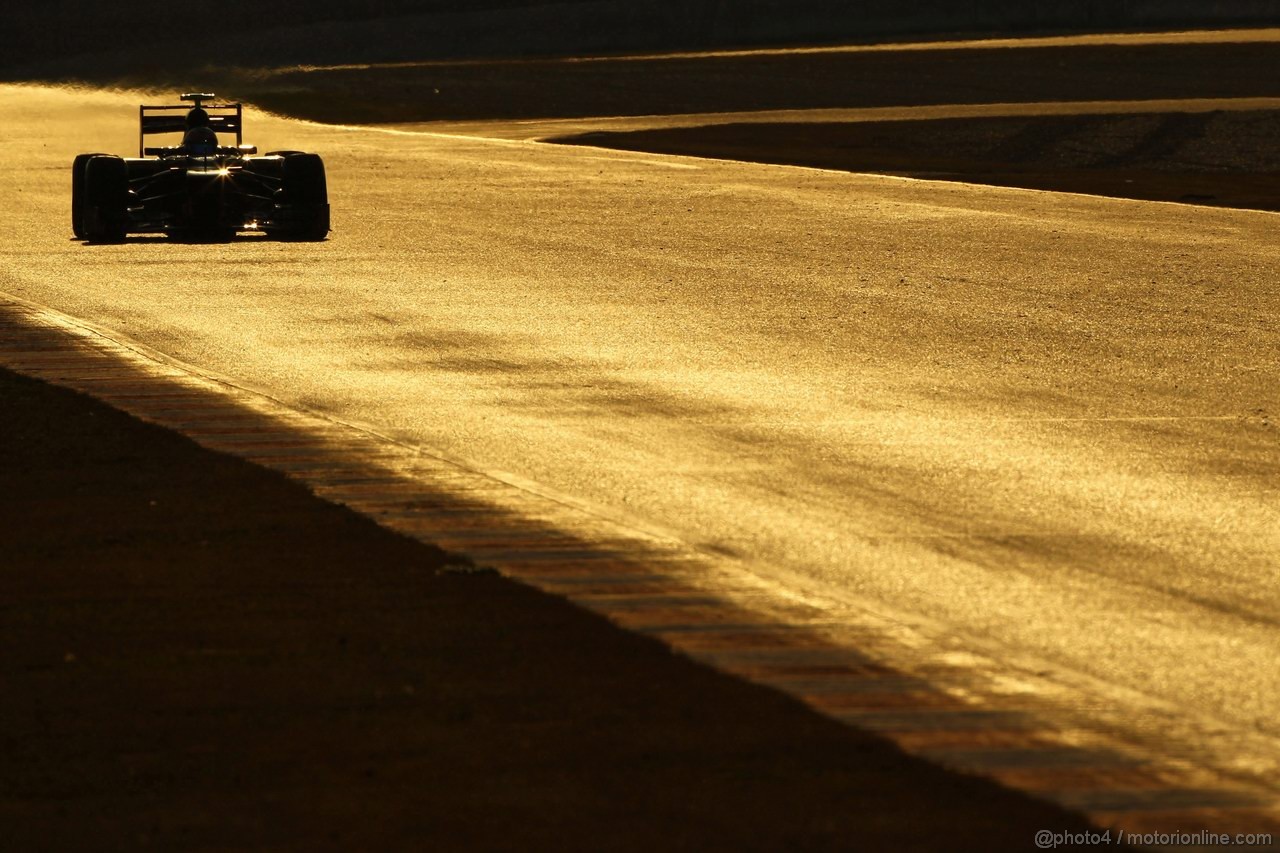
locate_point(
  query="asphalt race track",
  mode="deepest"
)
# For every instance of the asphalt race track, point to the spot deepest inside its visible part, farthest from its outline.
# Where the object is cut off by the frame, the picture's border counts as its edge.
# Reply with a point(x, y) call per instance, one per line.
point(1039, 427)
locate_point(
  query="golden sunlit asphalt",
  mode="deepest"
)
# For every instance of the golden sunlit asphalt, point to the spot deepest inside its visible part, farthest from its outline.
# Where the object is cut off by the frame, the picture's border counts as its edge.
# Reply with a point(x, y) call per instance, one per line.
point(1039, 427)
point(546, 129)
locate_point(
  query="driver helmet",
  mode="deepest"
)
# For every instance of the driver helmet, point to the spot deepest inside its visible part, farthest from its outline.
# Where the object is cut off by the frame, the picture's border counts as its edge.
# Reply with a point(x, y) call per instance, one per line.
point(200, 141)
point(197, 117)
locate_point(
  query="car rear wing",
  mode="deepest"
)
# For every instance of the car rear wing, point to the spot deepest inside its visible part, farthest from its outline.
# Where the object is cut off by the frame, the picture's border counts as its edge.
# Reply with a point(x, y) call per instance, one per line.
point(223, 118)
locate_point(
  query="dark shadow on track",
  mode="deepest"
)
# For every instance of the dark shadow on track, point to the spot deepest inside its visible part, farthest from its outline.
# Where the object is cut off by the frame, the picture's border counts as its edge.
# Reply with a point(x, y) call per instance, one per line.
point(1224, 159)
point(315, 680)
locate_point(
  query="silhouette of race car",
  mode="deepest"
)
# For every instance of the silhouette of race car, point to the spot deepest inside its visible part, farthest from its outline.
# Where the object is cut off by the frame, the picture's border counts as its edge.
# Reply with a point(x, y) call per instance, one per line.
point(199, 189)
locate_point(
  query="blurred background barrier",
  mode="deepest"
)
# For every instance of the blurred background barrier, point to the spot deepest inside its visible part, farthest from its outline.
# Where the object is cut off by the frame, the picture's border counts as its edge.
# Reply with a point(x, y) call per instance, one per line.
point(132, 35)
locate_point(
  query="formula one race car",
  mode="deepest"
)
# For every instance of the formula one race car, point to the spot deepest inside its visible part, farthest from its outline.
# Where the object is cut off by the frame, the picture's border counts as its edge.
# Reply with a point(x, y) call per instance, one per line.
point(199, 189)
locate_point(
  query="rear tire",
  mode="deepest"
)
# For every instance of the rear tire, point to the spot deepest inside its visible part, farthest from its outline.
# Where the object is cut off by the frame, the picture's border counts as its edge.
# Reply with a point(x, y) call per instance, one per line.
point(105, 202)
point(77, 193)
point(303, 211)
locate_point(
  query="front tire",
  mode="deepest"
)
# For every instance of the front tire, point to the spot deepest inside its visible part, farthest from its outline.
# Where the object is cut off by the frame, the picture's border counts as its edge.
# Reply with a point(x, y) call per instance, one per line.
point(303, 211)
point(77, 193)
point(105, 202)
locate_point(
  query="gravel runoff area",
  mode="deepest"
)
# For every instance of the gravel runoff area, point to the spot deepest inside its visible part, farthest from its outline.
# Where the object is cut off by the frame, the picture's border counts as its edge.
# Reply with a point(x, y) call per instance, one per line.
point(200, 654)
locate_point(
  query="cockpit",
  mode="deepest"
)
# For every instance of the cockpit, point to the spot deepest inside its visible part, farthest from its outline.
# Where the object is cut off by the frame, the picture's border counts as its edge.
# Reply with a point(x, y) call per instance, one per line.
point(200, 142)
